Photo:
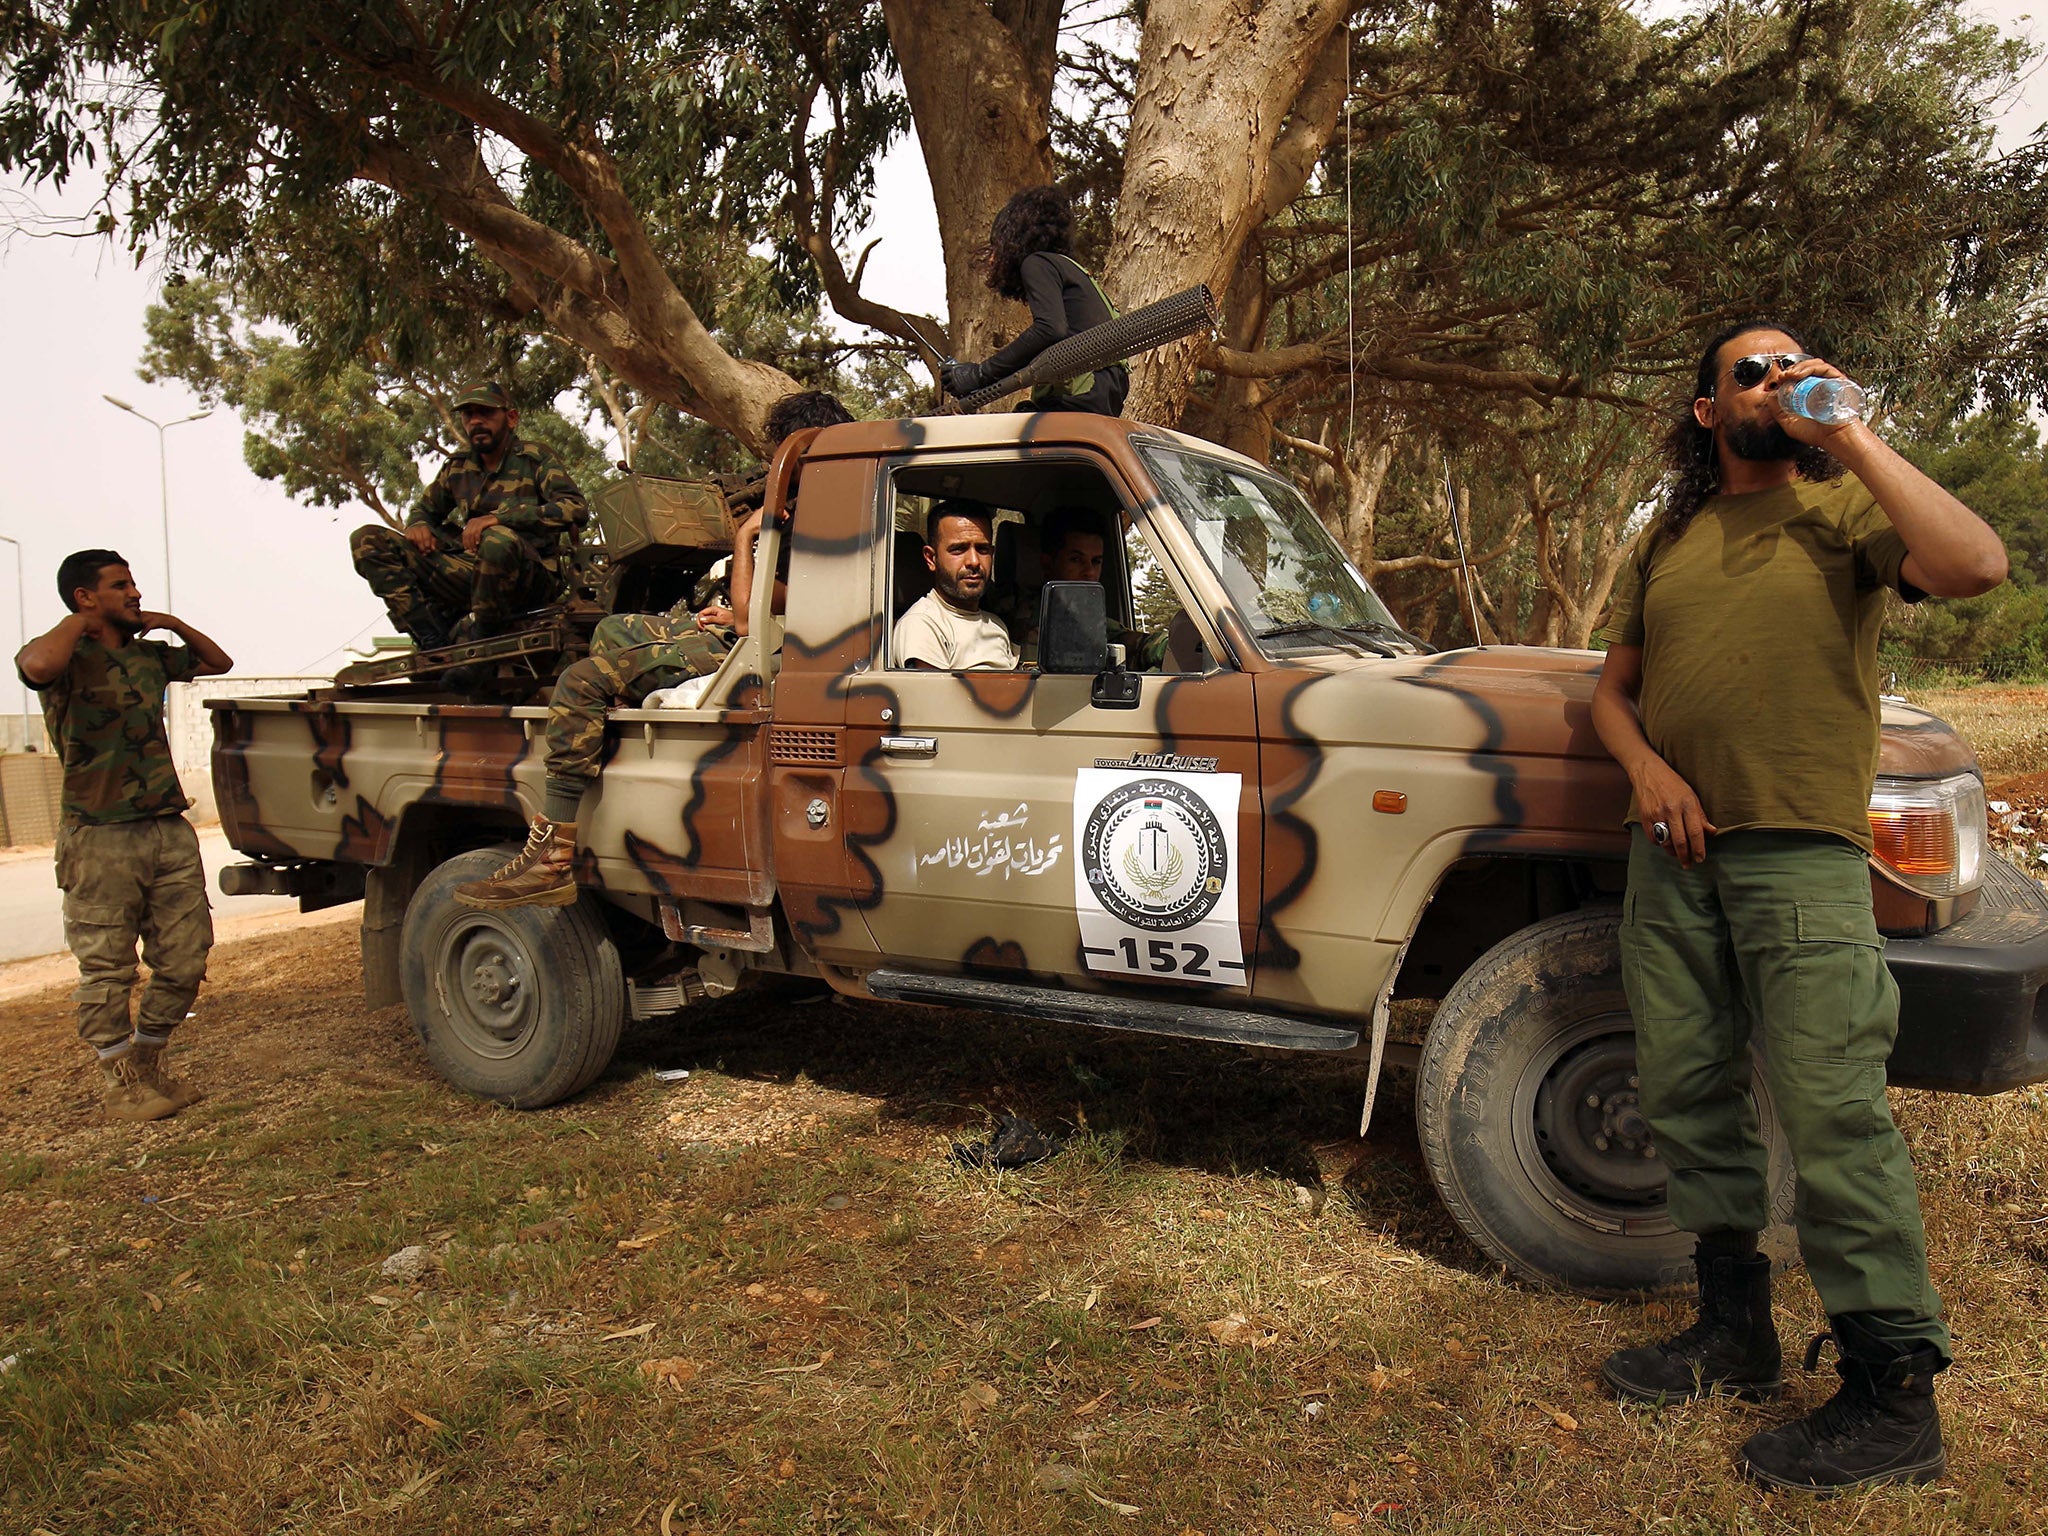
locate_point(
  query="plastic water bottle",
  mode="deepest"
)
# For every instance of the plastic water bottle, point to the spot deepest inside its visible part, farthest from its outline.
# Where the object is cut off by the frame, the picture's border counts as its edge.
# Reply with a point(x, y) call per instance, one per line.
point(1824, 400)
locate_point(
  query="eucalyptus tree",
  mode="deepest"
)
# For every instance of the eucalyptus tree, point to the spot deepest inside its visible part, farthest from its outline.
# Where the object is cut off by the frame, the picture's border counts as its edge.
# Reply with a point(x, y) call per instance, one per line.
point(1457, 210)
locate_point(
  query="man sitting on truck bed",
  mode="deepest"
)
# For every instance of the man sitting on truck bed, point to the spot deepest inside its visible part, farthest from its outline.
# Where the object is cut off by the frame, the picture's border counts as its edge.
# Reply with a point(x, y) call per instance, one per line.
point(946, 629)
point(489, 539)
point(633, 656)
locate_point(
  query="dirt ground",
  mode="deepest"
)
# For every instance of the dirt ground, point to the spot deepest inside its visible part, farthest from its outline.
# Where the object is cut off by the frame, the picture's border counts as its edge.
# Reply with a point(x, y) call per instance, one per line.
point(765, 1299)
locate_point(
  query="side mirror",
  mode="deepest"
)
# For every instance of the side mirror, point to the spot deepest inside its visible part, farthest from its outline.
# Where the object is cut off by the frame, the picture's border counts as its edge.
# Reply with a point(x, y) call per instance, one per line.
point(1073, 627)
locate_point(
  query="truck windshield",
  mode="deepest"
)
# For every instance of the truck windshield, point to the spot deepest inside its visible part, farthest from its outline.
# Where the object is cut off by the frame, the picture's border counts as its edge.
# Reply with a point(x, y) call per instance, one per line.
point(1282, 569)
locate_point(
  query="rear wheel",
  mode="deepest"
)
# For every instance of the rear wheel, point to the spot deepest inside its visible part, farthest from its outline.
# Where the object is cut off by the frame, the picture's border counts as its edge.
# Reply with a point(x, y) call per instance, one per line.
point(1528, 1105)
point(523, 1005)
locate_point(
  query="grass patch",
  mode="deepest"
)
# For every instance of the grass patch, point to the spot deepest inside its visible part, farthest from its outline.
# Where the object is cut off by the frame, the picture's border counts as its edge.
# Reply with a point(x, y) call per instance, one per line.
point(766, 1300)
point(851, 1333)
point(2008, 726)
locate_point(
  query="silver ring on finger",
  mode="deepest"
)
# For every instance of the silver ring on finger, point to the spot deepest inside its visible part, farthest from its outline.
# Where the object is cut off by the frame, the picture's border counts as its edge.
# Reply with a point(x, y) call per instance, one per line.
point(1661, 832)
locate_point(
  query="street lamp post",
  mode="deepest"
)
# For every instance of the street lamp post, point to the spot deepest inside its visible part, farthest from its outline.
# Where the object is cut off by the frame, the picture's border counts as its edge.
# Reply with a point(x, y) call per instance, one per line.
point(28, 730)
point(163, 474)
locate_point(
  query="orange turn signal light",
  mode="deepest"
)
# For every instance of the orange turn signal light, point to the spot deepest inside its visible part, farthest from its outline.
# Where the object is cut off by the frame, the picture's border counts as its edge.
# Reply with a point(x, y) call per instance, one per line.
point(1915, 841)
point(1392, 801)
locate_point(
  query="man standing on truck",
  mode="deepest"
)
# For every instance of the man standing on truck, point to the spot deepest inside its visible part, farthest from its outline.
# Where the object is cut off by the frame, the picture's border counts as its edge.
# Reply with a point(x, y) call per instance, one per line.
point(127, 859)
point(1740, 693)
point(633, 656)
point(946, 629)
point(490, 538)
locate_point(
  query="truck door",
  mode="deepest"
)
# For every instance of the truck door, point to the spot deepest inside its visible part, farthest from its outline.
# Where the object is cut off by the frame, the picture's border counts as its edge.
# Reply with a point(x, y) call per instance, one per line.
point(1004, 822)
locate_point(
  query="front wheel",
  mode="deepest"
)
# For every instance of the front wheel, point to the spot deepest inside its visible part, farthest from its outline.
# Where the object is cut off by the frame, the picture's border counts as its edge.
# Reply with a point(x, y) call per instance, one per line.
point(1528, 1107)
point(522, 1005)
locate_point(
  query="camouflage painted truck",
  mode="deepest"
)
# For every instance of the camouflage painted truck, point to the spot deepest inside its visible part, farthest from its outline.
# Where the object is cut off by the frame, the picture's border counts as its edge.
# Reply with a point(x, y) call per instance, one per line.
point(1300, 816)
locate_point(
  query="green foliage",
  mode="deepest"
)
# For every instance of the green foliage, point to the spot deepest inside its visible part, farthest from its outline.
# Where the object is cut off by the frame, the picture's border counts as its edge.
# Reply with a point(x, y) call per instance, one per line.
point(1553, 203)
point(333, 430)
point(1996, 464)
point(259, 131)
point(2008, 623)
point(1523, 204)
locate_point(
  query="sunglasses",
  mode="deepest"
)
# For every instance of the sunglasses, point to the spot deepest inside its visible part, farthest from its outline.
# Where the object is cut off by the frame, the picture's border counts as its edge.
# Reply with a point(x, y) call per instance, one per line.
point(1751, 371)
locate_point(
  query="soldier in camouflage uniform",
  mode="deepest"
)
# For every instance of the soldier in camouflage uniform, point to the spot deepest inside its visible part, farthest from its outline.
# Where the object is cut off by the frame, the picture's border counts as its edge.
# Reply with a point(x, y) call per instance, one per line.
point(127, 859)
point(633, 656)
point(491, 538)
point(1071, 545)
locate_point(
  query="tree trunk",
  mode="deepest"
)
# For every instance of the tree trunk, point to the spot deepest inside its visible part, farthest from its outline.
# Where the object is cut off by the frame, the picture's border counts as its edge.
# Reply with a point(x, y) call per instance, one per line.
point(1218, 83)
point(1237, 417)
point(980, 89)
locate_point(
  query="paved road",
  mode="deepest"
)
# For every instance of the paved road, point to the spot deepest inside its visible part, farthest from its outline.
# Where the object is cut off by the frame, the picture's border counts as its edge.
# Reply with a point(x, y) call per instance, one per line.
point(32, 915)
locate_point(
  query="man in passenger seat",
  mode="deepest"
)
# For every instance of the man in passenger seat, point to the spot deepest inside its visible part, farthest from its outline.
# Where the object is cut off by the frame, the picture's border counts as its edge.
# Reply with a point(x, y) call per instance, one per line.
point(946, 629)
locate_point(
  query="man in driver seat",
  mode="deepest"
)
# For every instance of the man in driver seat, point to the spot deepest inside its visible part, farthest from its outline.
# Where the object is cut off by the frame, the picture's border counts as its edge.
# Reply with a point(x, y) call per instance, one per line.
point(1071, 546)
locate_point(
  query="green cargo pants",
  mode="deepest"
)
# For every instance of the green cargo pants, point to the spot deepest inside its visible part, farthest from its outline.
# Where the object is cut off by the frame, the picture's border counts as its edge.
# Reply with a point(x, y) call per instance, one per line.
point(1773, 935)
point(124, 881)
point(501, 580)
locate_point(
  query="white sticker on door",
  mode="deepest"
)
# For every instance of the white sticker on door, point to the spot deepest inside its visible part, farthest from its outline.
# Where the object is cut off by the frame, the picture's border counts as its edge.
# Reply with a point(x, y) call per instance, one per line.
point(1155, 879)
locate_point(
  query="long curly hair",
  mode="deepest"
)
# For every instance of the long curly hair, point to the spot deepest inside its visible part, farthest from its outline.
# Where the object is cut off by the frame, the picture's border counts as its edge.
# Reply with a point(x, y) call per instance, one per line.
point(1036, 219)
point(1689, 447)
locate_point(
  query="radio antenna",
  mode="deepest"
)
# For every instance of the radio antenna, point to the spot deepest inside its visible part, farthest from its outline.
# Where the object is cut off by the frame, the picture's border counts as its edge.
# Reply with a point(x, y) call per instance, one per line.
point(1464, 560)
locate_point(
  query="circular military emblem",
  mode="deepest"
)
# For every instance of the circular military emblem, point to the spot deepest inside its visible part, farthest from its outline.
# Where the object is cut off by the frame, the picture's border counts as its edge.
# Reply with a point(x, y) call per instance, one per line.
point(1155, 855)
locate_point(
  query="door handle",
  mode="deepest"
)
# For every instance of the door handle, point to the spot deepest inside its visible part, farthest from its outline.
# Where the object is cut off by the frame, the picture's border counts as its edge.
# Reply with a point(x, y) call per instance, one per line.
point(911, 746)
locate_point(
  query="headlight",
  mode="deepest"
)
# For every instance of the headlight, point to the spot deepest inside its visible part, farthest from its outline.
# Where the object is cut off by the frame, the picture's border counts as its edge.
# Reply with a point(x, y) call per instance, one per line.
point(1930, 832)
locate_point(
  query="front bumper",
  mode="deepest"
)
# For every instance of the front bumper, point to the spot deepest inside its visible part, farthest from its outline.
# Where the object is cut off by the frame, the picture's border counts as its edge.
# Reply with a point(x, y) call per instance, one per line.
point(1973, 998)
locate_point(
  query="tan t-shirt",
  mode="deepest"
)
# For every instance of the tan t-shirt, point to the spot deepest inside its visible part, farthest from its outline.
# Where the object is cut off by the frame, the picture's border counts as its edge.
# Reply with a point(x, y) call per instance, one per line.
point(952, 639)
point(1759, 634)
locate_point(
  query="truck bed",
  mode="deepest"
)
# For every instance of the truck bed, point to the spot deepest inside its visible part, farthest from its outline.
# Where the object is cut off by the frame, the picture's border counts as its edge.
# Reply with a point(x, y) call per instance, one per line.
point(678, 812)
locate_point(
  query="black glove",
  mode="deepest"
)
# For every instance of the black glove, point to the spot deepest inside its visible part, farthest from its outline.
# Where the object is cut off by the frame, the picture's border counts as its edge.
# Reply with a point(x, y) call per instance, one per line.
point(962, 379)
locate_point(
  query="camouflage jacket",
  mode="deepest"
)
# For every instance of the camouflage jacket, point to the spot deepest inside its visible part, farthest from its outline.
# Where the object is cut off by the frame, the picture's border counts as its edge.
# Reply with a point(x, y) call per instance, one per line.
point(106, 716)
point(531, 494)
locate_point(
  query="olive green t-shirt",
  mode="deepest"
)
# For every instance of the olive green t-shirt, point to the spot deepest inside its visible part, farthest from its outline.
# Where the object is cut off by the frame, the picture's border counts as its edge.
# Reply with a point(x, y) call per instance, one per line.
point(1759, 634)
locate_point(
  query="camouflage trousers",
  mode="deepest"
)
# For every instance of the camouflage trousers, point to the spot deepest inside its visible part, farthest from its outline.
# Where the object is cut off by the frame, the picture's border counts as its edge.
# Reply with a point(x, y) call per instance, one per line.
point(631, 656)
point(124, 881)
point(503, 579)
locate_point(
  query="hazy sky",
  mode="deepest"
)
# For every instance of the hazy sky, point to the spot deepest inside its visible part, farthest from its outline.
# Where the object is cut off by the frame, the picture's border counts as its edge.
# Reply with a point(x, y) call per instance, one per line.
point(264, 575)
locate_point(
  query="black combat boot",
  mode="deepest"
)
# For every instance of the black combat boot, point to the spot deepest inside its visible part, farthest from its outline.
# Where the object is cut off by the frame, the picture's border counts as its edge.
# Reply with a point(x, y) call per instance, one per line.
point(1731, 1349)
point(1880, 1426)
point(427, 631)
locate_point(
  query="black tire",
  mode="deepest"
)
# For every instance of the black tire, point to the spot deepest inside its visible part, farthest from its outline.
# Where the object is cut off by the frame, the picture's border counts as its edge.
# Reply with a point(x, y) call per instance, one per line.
point(1526, 1042)
point(522, 1006)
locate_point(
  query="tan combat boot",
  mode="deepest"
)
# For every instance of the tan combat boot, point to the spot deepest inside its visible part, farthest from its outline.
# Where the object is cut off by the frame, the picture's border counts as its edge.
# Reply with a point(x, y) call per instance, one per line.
point(543, 875)
point(149, 1066)
point(127, 1094)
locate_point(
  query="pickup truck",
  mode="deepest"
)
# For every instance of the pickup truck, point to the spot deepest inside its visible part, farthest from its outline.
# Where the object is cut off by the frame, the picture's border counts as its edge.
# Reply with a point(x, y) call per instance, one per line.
point(1300, 815)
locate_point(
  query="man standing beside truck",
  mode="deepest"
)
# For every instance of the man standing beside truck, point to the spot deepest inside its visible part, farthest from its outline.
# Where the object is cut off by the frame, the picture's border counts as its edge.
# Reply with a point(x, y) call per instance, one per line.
point(633, 656)
point(489, 539)
point(1740, 694)
point(127, 859)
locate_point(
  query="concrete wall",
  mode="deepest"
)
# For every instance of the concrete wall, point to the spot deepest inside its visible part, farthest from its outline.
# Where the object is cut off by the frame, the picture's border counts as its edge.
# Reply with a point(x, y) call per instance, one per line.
point(190, 724)
point(31, 798)
point(14, 728)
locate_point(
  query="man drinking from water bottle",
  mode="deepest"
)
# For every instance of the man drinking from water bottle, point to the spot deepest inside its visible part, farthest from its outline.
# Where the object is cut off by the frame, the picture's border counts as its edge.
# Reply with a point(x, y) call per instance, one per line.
point(1740, 692)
